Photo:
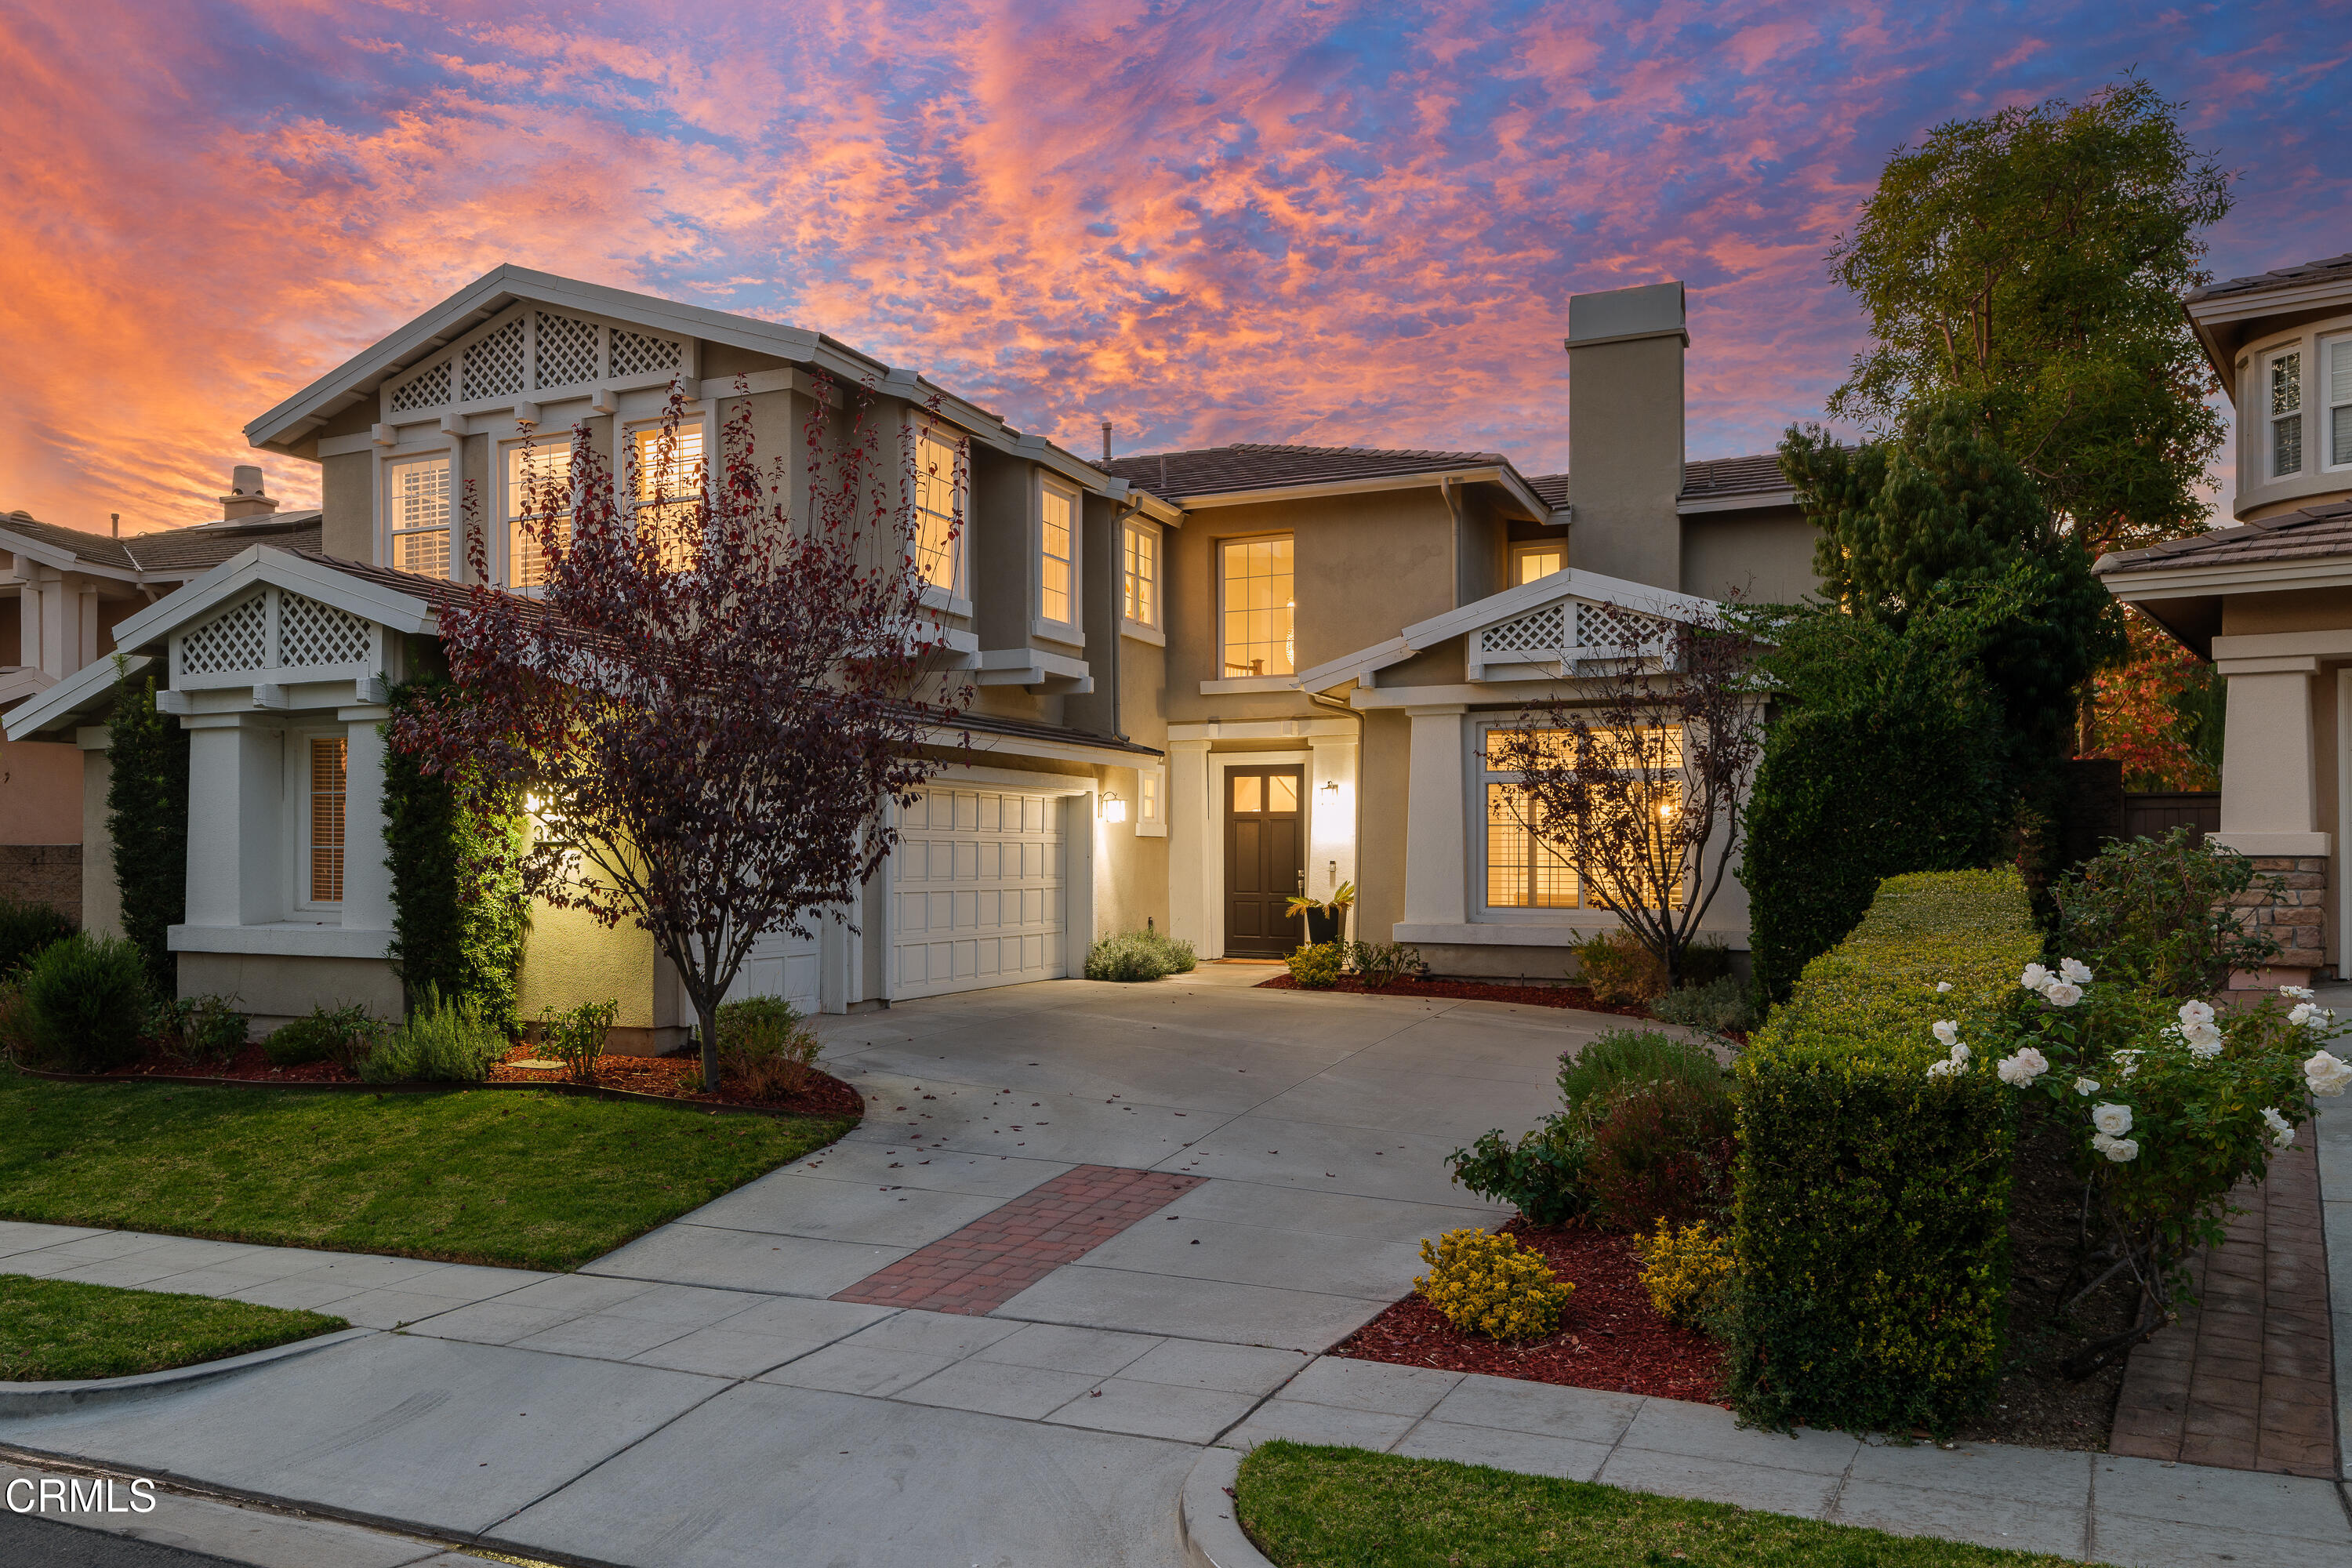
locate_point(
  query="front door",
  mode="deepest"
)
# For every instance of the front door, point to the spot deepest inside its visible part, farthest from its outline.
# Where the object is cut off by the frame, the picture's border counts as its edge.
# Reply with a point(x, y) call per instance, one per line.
point(1265, 861)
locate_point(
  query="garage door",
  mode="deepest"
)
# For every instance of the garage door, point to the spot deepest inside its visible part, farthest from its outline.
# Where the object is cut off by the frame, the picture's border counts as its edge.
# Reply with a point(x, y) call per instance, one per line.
point(977, 891)
point(781, 964)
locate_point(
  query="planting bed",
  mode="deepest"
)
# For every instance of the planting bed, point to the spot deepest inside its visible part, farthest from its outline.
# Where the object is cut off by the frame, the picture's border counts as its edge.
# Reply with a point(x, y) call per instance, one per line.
point(1575, 996)
point(1609, 1336)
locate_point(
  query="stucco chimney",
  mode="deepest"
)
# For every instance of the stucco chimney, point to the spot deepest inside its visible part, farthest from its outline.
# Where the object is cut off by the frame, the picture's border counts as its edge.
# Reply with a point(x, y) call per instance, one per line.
point(245, 497)
point(1625, 432)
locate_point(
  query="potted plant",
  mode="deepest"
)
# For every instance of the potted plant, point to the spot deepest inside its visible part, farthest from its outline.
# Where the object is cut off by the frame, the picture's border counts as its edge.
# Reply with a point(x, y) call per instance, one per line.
point(1324, 915)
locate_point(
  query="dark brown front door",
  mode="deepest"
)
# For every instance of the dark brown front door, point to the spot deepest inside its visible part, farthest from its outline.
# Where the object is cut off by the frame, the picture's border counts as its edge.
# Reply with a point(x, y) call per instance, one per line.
point(1265, 861)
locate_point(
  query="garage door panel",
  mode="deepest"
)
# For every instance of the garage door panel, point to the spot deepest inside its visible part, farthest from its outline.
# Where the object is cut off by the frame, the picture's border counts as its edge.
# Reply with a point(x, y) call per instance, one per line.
point(781, 964)
point(978, 881)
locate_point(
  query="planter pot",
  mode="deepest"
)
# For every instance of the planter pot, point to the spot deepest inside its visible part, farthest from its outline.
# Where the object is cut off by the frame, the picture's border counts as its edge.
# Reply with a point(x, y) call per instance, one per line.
point(1323, 925)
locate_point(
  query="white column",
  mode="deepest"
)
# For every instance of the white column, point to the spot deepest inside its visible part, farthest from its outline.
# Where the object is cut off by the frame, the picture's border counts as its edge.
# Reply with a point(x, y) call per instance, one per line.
point(29, 616)
point(367, 880)
point(1192, 839)
point(1331, 815)
point(236, 780)
point(1078, 830)
point(85, 627)
point(2269, 776)
point(1436, 862)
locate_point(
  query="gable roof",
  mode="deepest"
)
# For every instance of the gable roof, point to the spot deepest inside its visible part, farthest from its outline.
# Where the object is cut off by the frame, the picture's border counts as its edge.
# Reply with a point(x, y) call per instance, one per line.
point(2329, 270)
point(1224, 476)
point(168, 554)
point(1722, 484)
point(2314, 534)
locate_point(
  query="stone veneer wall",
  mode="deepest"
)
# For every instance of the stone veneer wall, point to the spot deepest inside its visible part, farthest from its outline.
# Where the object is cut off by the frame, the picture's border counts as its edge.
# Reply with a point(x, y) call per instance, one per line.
point(44, 874)
point(2288, 904)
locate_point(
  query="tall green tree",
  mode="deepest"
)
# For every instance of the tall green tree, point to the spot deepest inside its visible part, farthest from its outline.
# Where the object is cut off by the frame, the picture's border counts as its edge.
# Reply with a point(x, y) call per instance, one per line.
point(147, 817)
point(2032, 263)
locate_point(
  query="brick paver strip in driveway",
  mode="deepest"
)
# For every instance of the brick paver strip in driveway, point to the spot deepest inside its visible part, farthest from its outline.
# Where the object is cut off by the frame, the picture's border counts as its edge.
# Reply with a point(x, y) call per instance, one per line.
point(995, 1257)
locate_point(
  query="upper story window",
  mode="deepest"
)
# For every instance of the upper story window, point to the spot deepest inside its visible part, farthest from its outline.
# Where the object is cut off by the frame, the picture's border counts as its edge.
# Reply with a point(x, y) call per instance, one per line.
point(536, 484)
point(323, 826)
point(2339, 402)
point(1258, 609)
point(1530, 562)
point(416, 502)
point(939, 512)
point(1057, 556)
point(2283, 388)
point(665, 487)
point(1140, 575)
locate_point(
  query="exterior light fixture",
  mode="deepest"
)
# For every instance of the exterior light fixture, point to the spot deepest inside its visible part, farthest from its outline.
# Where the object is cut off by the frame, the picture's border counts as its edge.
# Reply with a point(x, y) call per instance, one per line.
point(1114, 808)
point(1332, 786)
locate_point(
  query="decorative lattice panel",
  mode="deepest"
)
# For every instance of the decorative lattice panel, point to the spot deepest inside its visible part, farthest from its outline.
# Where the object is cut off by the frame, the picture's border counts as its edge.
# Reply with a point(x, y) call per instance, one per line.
point(1602, 633)
point(238, 639)
point(1539, 631)
point(494, 363)
point(428, 388)
point(311, 633)
point(636, 354)
point(567, 350)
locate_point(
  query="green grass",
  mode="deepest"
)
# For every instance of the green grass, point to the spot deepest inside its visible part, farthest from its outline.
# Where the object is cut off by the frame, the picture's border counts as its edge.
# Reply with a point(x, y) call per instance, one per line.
point(52, 1330)
point(1347, 1507)
point(534, 1181)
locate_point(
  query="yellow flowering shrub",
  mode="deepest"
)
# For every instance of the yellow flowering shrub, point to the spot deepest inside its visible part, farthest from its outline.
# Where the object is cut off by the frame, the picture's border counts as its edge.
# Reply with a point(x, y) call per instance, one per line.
point(1685, 1271)
point(1490, 1284)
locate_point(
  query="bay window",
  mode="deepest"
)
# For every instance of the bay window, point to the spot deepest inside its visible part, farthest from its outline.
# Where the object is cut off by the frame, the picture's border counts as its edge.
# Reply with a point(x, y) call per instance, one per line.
point(2283, 387)
point(2338, 399)
point(416, 510)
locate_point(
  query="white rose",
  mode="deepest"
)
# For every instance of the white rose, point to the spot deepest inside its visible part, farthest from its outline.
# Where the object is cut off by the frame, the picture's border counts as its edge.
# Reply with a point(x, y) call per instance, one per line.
point(1960, 1055)
point(2325, 1075)
point(2301, 1012)
point(2062, 994)
point(2076, 970)
point(2295, 993)
point(2023, 1067)
point(2035, 977)
point(1948, 1033)
point(1945, 1069)
point(2122, 1151)
point(2282, 1131)
point(2086, 1085)
point(2127, 1063)
point(2111, 1119)
point(1942, 986)
point(2204, 1040)
point(2192, 1014)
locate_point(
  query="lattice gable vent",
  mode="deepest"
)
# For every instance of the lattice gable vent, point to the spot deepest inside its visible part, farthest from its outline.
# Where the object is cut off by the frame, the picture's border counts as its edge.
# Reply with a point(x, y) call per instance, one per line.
point(535, 350)
point(277, 629)
point(1542, 630)
point(311, 633)
point(237, 638)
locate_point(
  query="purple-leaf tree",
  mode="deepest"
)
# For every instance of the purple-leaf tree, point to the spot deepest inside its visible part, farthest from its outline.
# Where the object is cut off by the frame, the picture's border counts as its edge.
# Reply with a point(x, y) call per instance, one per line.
point(1633, 789)
point(713, 685)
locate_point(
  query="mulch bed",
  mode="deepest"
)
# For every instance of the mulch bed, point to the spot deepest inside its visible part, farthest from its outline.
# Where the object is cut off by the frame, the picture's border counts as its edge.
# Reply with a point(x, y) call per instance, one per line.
point(1609, 1336)
point(669, 1077)
point(1575, 996)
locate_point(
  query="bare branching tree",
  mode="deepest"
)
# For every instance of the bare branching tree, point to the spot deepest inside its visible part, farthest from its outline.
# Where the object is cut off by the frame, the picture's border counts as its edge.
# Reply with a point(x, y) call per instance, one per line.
point(1634, 783)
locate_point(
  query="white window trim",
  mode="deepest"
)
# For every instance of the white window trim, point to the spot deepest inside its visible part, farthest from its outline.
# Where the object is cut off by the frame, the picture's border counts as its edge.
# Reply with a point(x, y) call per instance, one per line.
point(1072, 631)
point(1523, 548)
point(444, 450)
point(2330, 349)
point(298, 790)
point(1152, 823)
point(698, 414)
point(501, 553)
point(956, 600)
point(1217, 631)
point(2270, 357)
point(1154, 628)
point(1581, 915)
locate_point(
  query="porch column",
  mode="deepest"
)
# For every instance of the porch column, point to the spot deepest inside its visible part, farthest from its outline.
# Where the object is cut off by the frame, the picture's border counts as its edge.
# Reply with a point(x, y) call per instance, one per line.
point(1192, 840)
point(1436, 849)
point(236, 783)
point(2269, 810)
point(367, 880)
point(1332, 817)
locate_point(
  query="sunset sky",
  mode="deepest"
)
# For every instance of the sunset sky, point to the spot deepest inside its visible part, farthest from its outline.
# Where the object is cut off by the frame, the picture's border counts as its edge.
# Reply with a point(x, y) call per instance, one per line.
point(1242, 220)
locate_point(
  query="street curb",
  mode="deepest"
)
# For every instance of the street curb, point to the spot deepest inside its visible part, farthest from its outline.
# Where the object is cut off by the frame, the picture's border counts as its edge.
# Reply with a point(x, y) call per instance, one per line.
point(19, 1399)
point(1204, 1515)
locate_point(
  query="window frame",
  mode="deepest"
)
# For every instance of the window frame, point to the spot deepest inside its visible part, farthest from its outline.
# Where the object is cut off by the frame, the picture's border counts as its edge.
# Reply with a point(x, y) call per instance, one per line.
point(1482, 776)
point(505, 448)
point(1151, 801)
point(1225, 677)
point(1152, 627)
point(698, 415)
point(1073, 630)
point(2271, 421)
point(389, 532)
point(2331, 350)
point(298, 768)
point(955, 599)
point(1522, 549)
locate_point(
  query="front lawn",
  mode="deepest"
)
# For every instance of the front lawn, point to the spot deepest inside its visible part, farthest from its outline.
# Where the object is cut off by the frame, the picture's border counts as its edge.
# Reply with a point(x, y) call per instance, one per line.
point(1349, 1508)
point(52, 1330)
point(533, 1180)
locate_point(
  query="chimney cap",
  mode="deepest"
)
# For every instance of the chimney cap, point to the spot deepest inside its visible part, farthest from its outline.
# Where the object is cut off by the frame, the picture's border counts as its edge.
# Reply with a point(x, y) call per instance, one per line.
point(1621, 315)
point(244, 479)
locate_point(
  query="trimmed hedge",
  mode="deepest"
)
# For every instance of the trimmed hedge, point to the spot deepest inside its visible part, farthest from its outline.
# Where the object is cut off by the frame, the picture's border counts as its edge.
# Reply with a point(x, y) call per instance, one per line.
point(1872, 1220)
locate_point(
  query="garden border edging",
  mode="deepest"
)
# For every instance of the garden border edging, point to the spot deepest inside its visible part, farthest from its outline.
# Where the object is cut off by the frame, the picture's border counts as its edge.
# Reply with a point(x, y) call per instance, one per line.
point(48, 1398)
point(1205, 1515)
point(588, 1090)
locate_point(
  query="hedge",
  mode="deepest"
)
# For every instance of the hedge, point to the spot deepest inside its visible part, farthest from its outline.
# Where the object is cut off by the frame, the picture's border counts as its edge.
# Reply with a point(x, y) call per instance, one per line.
point(1872, 1202)
point(147, 818)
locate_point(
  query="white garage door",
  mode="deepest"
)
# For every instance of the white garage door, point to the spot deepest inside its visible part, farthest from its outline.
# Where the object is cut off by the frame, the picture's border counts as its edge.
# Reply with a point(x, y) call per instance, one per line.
point(978, 890)
point(781, 964)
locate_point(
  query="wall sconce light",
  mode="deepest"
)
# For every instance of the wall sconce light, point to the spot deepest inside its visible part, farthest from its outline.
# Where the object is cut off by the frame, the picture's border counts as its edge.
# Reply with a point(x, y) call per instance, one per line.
point(1332, 786)
point(1114, 809)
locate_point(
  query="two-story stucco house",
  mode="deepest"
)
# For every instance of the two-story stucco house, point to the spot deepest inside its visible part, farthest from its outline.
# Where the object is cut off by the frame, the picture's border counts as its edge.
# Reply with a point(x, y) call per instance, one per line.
point(2270, 601)
point(1205, 680)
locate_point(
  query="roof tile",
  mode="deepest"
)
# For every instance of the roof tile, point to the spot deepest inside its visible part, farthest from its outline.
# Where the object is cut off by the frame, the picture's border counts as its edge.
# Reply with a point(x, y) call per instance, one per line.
point(177, 553)
point(2331, 268)
point(2313, 533)
point(1248, 466)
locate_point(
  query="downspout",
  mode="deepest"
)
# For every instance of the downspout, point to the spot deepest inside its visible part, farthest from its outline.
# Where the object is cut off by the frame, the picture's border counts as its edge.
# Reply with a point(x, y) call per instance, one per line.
point(1363, 751)
point(1453, 512)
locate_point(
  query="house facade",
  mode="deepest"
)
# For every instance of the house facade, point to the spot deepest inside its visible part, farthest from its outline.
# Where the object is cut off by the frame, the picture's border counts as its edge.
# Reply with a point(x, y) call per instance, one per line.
point(2269, 601)
point(1204, 681)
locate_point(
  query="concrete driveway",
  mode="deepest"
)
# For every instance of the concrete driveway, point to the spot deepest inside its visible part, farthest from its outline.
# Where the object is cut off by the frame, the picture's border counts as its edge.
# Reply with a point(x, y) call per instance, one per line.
point(699, 1397)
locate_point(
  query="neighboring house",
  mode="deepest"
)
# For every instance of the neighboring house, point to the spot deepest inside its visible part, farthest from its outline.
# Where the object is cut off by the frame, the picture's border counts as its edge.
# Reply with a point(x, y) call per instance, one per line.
point(61, 593)
point(2270, 601)
point(1204, 680)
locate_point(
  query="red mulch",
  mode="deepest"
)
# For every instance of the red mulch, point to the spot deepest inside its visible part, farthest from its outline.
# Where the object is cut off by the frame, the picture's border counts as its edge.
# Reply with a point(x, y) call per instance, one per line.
point(1575, 996)
point(1610, 1335)
point(824, 1095)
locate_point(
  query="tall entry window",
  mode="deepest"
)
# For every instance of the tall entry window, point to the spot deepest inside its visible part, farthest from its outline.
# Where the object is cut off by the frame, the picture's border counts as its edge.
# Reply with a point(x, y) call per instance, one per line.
point(327, 757)
point(1057, 557)
point(1258, 608)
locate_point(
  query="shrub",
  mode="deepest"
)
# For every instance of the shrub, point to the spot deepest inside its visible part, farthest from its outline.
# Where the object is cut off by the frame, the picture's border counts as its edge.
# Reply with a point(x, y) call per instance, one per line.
point(1318, 967)
point(1182, 960)
point(1379, 963)
point(89, 997)
point(1487, 1284)
point(20, 1041)
point(763, 1041)
point(1625, 1058)
point(199, 1030)
point(1662, 1150)
point(1719, 1005)
point(25, 929)
point(1541, 1175)
point(1686, 1272)
point(576, 1034)
point(1618, 968)
point(345, 1035)
point(1139, 955)
point(2160, 914)
point(147, 818)
point(1872, 1217)
point(445, 1040)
